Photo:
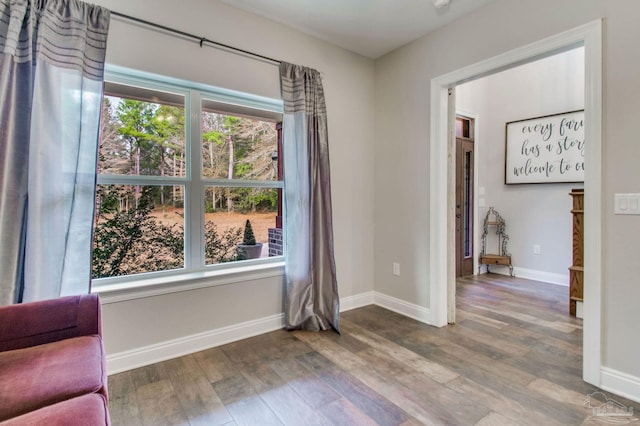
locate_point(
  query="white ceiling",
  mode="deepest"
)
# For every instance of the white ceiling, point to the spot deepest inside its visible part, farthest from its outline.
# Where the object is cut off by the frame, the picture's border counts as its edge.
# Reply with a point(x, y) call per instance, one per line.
point(368, 27)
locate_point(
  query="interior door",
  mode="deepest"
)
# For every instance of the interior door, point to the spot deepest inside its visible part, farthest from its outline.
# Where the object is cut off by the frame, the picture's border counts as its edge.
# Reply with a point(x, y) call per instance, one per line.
point(464, 196)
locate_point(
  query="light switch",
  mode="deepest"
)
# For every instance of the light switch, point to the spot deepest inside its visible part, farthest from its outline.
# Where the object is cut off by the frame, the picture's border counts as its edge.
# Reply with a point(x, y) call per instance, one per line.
point(627, 204)
point(481, 202)
point(623, 205)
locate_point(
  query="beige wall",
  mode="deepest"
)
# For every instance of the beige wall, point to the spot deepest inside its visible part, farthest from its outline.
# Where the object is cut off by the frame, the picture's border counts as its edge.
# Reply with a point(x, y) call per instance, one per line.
point(402, 145)
point(535, 214)
point(349, 90)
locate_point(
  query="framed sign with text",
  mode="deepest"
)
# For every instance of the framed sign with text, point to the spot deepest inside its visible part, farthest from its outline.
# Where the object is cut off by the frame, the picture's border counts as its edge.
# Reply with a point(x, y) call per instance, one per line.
point(546, 149)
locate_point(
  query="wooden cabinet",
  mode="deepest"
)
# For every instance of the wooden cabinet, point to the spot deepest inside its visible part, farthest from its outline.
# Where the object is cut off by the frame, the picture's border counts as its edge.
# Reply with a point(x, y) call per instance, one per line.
point(576, 271)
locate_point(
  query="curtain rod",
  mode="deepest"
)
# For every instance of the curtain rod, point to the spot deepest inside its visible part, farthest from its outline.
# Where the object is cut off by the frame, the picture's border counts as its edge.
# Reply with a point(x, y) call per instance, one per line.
point(201, 40)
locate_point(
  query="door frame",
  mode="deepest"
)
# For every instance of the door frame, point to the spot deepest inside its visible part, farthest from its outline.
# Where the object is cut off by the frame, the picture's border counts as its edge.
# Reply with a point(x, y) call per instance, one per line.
point(476, 221)
point(441, 197)
point(451, 289)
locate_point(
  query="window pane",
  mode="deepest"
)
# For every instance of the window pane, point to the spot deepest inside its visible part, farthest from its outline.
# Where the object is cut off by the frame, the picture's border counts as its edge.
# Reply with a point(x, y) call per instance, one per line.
point(138, 229)
point(143, 133)
point(467, 214)
point(238, 147)
point(226, 213)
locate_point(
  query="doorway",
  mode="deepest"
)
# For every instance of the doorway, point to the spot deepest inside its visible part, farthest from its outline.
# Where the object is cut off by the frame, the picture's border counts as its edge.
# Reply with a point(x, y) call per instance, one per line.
point(442, 193)
point(464, 196)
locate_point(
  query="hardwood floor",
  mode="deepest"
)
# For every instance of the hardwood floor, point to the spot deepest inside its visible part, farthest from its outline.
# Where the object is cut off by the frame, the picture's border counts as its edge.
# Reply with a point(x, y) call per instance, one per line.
point(514, 357)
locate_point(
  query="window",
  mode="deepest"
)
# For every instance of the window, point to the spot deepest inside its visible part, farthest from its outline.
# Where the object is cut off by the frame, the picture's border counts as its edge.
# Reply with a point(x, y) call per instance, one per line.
point(186, 173)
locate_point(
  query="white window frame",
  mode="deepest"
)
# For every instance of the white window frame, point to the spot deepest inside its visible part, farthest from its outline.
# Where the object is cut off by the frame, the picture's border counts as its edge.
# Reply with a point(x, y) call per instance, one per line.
point(195, 273)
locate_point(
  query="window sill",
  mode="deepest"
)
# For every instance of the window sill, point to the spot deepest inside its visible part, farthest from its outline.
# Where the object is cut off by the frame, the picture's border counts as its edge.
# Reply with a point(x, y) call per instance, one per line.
point(142, 288)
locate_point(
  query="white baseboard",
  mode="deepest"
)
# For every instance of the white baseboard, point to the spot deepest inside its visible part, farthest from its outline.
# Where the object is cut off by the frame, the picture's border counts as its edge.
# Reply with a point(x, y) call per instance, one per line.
point(418, 313)
point(146, 355)
point(619, 383)
point(356, 301)
point(545, 277)
point(579, 309)
point(532, 274)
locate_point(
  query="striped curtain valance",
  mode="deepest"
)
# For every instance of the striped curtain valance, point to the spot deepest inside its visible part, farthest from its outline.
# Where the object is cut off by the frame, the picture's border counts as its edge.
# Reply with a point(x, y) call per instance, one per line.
point(302, 90)
point(65, 33)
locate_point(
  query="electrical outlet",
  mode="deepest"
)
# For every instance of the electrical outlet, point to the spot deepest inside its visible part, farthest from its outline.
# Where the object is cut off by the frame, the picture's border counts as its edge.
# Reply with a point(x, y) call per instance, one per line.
point(536, 249)
point(396, 269)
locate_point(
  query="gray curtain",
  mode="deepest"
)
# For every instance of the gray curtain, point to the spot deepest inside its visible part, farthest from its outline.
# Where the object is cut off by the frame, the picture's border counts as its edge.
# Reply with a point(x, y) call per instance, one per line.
point(51, 68)
point(311, 289)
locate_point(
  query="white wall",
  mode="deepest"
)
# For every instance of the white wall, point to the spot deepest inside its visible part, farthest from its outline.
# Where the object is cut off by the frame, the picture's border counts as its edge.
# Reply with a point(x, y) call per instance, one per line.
point(135, 325)
point(536, 214)
point(402, 146)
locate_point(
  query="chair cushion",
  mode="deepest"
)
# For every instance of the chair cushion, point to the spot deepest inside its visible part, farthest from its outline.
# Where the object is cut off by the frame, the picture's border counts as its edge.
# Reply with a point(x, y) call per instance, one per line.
point(43, 375)
point(34, 318)
point(86, 410)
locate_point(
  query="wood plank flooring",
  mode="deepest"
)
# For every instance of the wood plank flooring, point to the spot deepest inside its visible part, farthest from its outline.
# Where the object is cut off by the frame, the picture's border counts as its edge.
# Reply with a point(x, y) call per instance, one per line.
point(513, 358)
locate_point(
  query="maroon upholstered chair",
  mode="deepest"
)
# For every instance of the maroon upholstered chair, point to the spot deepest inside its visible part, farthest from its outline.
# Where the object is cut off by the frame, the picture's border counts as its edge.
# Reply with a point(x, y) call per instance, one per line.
point(52, 362)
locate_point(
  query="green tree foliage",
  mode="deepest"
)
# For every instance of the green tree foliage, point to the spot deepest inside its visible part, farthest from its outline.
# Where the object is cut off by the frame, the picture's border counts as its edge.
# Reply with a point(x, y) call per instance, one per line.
point(148, 138)
point(151, 134)
point(220, 248)
point(256, 200)
point(249, 239)
point(132, 241)
point(238, 148)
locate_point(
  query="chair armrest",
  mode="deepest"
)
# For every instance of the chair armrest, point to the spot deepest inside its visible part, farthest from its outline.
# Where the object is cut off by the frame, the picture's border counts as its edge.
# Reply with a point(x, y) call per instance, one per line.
point(35, 323)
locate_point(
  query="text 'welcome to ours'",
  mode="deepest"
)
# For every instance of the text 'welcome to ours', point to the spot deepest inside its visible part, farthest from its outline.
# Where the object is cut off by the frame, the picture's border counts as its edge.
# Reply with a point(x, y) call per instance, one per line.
point(546, 149)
